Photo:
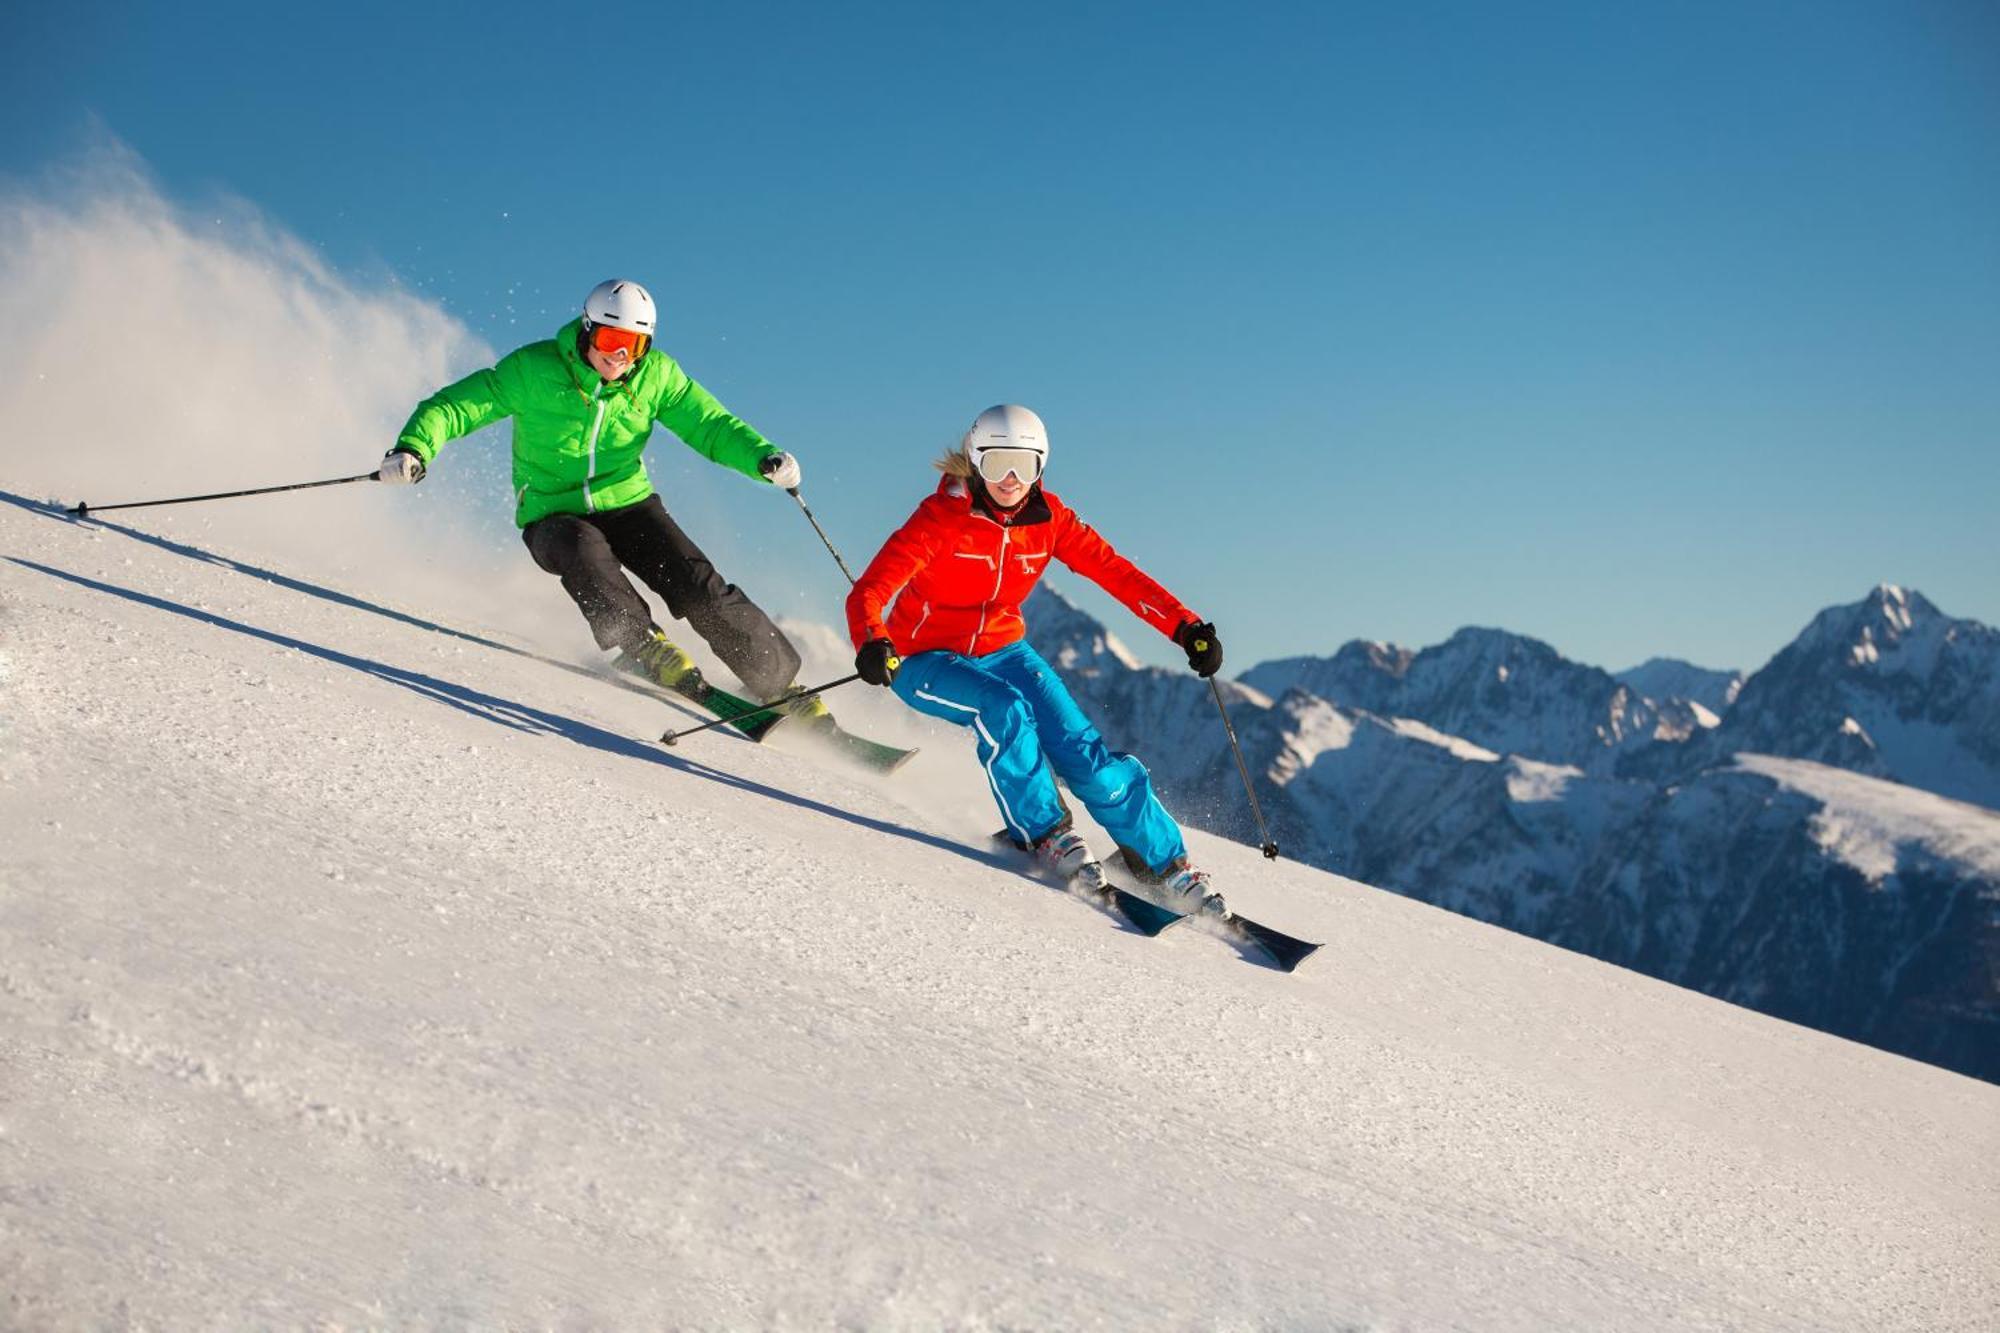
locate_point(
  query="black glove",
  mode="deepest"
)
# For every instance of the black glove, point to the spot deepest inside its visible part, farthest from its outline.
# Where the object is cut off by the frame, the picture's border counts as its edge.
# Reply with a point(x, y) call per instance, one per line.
point(1197, 639)
point(877, 661)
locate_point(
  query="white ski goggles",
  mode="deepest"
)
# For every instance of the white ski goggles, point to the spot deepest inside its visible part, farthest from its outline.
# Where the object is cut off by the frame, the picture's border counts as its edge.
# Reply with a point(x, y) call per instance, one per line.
point(997, 464)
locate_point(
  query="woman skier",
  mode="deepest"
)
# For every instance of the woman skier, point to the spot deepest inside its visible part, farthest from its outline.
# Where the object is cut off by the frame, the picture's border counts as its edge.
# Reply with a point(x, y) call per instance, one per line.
point(953, 646)
point(583, 405)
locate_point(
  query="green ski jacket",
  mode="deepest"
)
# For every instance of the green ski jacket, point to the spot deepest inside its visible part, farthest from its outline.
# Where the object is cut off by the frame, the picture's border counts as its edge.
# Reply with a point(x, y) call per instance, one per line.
point(577, 437)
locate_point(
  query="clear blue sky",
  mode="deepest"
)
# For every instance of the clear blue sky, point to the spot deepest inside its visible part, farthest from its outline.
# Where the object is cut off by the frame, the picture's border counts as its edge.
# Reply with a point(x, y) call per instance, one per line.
point(1638, 328)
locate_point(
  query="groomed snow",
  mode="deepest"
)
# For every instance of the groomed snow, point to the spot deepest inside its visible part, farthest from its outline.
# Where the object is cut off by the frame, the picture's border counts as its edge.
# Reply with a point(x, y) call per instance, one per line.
point(356, 973)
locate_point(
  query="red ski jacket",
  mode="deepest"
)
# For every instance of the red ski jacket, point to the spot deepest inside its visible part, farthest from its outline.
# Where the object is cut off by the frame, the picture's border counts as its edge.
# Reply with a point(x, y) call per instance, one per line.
point(958, 572)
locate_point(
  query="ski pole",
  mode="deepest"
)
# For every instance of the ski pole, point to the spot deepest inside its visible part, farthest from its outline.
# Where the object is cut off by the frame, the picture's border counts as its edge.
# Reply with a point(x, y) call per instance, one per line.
point(1269, 848)
point(85, 509)
point(794, 493)
point(674, 736)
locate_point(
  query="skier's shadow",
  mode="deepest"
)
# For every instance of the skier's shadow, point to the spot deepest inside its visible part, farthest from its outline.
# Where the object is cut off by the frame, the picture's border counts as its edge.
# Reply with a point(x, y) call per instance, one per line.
point(506, 712)
point(333, 595)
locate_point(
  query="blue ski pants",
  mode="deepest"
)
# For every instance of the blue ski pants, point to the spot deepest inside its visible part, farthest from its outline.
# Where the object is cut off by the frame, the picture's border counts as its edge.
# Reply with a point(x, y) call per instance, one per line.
point(1027, 724)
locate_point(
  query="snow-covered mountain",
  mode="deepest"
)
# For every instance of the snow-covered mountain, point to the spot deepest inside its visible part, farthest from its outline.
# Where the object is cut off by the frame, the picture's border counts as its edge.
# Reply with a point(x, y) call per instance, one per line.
point(1079, 644)
point(1663, 678)
point(1731, 878)
point(1889, 686)
point(1501, 691)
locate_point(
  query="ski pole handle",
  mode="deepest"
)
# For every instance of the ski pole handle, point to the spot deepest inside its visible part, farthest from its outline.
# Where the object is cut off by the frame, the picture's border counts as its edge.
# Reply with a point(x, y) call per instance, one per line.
point(83, 510)
point(672, 737)
point(794, 493)
point(1268, 847)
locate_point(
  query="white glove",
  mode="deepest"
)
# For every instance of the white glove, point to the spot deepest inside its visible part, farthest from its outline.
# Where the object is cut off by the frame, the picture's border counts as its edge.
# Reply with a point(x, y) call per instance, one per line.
point(401, 467)
point(781, 470)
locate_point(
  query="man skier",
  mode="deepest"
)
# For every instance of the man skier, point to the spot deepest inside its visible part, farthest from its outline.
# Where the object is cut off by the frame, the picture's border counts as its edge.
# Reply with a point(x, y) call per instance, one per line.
point(952, 645)
point(583, 405)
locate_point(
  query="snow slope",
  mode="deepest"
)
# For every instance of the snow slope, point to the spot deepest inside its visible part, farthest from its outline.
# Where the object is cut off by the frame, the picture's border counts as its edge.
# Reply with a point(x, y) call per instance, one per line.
point(358, 972)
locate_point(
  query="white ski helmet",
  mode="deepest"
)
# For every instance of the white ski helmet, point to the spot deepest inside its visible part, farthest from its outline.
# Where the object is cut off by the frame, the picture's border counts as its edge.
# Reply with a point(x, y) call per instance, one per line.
point(1005, 435)
point(621, 304)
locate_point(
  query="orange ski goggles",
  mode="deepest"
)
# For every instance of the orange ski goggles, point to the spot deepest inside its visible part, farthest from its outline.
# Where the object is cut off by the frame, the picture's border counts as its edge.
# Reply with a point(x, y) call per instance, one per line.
point(619, 344)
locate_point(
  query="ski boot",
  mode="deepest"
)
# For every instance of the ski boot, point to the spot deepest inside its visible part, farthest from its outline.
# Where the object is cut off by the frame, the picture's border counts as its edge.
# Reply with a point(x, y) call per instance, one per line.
point(1180, 886)
point(663, 662)
point(807, 715)
point(1065, 855)
point(1068, 857)
point(1188, 891)
point(808, 712)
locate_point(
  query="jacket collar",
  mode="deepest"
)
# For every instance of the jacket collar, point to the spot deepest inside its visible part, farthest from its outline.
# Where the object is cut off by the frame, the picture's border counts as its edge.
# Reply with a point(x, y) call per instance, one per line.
point(568, 341)
point(1032, 510)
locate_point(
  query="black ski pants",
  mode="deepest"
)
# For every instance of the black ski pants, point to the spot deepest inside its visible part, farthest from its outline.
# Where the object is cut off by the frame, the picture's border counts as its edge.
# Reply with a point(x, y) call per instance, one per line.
point(586, 550)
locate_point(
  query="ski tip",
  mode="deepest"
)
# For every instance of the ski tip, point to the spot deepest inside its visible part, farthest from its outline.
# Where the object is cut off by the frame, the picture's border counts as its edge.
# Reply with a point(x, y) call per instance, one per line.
point(1280, 950)
point(1290, 962)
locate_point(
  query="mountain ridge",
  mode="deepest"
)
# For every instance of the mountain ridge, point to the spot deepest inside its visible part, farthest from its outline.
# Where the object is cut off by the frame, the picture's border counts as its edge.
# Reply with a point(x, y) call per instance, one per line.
point(1666, 852)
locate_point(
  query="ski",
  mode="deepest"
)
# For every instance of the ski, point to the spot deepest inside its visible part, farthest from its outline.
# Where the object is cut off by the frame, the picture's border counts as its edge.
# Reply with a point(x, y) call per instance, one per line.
point(1254, 938)
point(753, 720)
point(814, 722)
point(871, 755)
point(757, 721)
point(1144, 916)
point(1285, 952)
point(720, 702)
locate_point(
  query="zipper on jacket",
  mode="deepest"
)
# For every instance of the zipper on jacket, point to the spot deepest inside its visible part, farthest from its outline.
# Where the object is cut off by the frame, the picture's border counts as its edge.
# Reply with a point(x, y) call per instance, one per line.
point(920, 621)
point(590, 470)
point(999, 576)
